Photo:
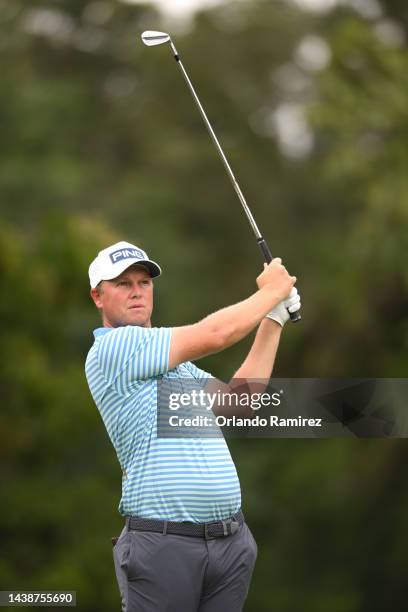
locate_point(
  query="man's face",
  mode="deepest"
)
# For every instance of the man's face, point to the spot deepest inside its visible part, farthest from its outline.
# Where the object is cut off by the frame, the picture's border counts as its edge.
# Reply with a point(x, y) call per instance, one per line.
point(126, 299)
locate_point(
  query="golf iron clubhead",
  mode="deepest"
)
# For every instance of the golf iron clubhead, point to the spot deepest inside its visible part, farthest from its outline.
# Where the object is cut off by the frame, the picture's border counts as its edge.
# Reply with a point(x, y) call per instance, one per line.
point(152, 38)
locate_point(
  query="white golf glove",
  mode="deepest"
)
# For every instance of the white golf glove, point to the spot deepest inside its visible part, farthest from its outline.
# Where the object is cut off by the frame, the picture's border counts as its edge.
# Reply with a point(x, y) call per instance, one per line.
point(280, 313)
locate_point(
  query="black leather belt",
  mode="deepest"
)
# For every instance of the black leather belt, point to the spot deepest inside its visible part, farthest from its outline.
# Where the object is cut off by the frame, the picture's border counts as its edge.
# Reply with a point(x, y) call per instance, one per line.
point(215, 529)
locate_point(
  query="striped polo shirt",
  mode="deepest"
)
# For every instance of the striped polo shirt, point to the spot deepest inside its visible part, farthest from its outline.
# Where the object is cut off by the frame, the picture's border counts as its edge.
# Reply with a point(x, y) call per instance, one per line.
point(178, 479)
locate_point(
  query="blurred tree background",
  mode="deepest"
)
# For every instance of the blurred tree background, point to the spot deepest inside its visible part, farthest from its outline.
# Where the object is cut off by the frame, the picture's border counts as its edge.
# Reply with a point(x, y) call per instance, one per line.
point(101, 141)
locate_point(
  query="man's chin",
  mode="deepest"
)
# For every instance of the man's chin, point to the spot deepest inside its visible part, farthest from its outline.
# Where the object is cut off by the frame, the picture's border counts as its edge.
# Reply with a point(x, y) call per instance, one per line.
point(138, 318)
point(130, 318)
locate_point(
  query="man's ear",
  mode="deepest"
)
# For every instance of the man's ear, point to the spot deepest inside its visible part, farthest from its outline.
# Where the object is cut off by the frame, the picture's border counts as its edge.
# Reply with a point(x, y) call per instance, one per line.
point(96, 296)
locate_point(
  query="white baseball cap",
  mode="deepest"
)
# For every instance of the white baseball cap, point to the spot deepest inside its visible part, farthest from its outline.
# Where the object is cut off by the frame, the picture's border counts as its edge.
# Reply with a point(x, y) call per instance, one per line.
point(114, 260)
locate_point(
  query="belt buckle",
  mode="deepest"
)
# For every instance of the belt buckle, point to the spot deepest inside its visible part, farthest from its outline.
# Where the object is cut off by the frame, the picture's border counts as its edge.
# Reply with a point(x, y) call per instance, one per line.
point(206, 534)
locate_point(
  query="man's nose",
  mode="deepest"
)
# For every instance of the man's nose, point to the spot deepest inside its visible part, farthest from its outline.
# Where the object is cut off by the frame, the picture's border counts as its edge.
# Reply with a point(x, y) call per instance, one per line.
point(136, 290)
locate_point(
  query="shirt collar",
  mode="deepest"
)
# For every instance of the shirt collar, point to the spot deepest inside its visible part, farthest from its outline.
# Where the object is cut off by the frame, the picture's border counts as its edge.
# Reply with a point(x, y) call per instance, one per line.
point(100, 331)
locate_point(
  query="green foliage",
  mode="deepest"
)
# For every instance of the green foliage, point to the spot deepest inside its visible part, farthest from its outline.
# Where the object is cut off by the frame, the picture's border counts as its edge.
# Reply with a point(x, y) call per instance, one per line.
point(361, 127)
point(101, 142)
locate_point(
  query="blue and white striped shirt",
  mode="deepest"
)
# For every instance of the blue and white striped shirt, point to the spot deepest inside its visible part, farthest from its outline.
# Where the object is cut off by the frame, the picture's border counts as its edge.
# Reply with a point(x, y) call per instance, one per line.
point(179, 479)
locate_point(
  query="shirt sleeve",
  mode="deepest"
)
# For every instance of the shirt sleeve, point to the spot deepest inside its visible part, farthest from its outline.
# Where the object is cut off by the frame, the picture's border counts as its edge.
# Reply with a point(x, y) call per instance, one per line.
point(132, 353)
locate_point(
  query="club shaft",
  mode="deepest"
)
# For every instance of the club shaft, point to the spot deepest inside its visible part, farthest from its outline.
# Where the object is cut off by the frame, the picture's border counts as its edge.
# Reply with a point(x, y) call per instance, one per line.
point(295, 316)
point(218, 147)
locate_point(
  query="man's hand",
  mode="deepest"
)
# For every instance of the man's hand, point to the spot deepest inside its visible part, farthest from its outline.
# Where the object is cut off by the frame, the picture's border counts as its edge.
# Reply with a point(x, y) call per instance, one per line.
point(276, 276)
point(280, 313)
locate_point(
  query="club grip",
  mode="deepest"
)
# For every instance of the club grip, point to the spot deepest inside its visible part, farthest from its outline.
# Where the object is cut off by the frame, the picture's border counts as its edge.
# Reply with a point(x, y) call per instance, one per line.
point(267, 255)
point(295, 316)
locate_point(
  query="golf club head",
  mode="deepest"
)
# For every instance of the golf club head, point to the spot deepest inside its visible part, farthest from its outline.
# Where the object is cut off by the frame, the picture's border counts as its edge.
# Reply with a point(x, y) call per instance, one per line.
point(152, 38)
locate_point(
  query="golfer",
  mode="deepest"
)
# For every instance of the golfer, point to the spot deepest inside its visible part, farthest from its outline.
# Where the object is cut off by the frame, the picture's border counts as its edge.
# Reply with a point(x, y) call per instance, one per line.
point(185, 546)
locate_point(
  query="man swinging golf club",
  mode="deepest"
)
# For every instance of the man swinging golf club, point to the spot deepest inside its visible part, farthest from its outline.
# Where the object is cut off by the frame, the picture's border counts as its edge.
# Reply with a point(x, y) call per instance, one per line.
point(185, 546)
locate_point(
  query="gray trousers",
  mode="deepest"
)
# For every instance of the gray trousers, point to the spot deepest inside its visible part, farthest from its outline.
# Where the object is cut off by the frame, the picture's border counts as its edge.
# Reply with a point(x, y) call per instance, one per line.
point(175, 573)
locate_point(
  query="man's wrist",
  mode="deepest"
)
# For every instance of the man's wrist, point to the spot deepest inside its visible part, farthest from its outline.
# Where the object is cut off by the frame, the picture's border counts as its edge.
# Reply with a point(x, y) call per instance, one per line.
point(272, 324)
point(270, 291)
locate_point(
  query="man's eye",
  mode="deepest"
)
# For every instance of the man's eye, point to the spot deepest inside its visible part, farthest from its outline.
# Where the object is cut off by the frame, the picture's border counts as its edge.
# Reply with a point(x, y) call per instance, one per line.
point(123, 283)
point(146, 282)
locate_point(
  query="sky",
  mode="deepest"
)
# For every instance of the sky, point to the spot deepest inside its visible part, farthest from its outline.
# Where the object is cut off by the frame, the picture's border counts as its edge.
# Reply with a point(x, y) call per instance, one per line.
point(182, 10)
point(179, 9)
point(185, 8)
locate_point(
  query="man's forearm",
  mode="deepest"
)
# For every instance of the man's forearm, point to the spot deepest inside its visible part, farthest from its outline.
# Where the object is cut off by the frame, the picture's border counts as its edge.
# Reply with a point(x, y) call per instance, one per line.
point(237, 321)
point(261, 357)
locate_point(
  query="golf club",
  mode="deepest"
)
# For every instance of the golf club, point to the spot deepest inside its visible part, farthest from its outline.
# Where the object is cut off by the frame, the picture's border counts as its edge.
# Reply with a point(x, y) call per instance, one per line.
point(151, 39)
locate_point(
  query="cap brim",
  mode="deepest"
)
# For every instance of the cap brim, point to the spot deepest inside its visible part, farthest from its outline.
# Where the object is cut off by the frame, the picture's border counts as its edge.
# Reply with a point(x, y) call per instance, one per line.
point(152, 266)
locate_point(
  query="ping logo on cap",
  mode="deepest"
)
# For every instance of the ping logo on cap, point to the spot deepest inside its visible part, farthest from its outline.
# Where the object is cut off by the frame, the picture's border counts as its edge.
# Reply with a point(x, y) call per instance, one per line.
point(126, 254)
